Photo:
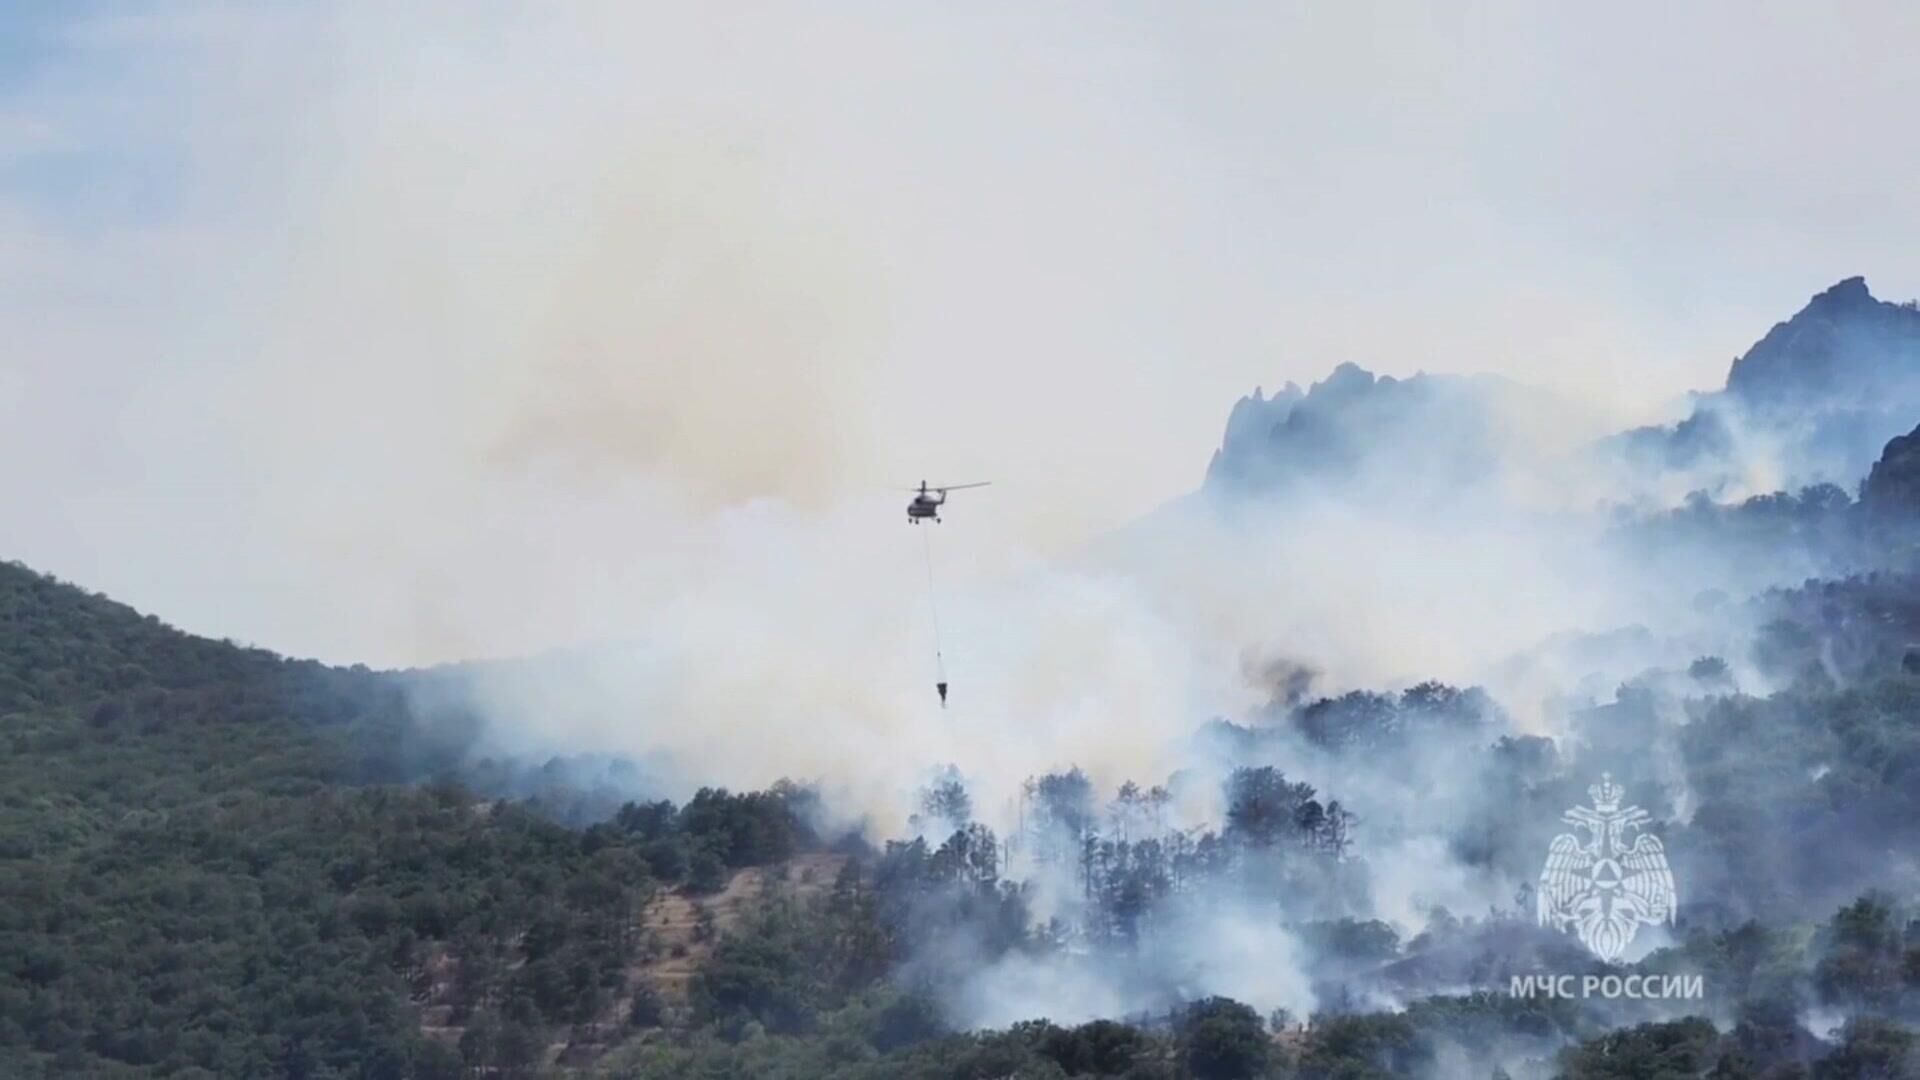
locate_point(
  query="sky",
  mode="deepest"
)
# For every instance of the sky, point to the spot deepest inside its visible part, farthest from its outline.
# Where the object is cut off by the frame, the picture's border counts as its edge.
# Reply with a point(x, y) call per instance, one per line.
point(401, 334)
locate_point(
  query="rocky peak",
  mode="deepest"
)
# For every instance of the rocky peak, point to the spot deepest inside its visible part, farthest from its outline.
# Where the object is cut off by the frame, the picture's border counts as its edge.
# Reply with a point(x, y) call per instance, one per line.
point(1843, 348)
point(1893, 486)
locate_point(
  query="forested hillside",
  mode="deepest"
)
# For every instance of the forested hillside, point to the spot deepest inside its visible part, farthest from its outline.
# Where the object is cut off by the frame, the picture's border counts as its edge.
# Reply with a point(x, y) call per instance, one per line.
point(741, 468)
point(217, 862)
point(214, 862)
point(221, 863)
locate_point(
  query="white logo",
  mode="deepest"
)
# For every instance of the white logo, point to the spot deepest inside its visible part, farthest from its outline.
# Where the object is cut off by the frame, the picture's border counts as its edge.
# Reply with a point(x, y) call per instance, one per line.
point(1604, 889)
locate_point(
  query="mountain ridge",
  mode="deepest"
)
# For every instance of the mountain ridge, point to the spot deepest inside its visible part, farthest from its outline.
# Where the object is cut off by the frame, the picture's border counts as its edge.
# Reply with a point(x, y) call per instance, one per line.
point(1813, 400)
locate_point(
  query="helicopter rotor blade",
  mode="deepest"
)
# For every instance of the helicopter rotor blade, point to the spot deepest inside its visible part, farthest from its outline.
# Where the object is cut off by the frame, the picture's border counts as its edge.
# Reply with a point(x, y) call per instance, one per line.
point(959, 487)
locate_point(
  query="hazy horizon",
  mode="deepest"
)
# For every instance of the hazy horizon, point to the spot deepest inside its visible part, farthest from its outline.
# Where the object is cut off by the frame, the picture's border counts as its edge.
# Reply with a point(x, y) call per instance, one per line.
point(409, 336)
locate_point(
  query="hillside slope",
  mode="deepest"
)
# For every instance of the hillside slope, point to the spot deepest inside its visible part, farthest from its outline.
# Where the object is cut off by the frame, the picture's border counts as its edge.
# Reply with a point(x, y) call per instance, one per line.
point(213, 863)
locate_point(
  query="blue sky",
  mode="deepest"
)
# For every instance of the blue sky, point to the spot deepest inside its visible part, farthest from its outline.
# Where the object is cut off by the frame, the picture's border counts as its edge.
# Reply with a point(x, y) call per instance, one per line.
point(29, 37)
point(62, 155)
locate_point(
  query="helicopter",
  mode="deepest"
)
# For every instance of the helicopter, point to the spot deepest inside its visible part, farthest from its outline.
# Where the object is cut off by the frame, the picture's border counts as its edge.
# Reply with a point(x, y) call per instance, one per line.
point(927, 501)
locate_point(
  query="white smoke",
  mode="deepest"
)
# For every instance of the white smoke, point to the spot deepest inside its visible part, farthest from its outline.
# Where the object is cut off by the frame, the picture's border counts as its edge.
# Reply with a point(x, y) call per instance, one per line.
point(477, 332)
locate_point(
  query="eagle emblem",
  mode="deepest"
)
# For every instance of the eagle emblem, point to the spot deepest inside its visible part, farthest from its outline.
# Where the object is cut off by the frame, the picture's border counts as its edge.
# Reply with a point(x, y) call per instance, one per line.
point(1605, 888)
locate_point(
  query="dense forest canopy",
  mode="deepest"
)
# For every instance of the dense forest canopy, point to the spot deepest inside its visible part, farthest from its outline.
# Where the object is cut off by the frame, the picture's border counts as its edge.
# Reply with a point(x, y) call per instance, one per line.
point(218, 862)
